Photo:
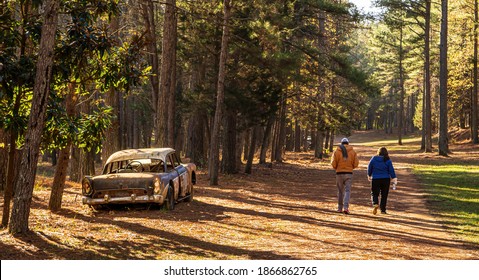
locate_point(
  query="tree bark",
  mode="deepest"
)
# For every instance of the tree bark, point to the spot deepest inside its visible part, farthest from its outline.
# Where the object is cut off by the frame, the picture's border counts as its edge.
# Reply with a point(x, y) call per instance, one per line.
point(213, 158)
point(26, 176)
point(266, 139)
point(474, 99)
point(318, 147)
point(443, 77)
point(3, 159)
point(401, 85)
point(12, 166)
point(281, 131)
point(331, 142)
point(150, 25)
point(427, 89)
point(58, 185)
point(297, 136)
point(252, 149)
point(228, 159)
point(167, 85)
point(173, 87)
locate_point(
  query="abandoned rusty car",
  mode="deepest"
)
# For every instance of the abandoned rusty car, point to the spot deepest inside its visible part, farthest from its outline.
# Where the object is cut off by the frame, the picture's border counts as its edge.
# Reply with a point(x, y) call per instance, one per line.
point(153, 175)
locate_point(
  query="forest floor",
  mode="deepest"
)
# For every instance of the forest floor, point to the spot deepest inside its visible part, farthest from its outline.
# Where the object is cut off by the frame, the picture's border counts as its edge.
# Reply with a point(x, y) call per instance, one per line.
point(287, 211)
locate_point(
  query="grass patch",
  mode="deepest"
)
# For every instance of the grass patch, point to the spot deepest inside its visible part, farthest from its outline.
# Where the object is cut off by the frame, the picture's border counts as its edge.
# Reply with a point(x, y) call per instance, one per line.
point(454, 196)
point(409, 143)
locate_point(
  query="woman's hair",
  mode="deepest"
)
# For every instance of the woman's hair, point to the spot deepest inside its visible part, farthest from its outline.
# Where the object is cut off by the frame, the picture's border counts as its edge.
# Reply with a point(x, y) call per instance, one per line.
point(384, 153)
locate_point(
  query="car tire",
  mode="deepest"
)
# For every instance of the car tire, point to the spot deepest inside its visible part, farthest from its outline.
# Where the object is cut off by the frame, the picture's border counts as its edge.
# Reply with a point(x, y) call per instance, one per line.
point(96, 207)
point(189, 196)
point(169, 203)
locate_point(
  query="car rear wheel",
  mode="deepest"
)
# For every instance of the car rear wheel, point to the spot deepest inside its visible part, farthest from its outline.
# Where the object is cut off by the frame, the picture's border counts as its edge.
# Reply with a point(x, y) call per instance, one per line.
point(189, 196)
point(96, 207)
point(169, 203)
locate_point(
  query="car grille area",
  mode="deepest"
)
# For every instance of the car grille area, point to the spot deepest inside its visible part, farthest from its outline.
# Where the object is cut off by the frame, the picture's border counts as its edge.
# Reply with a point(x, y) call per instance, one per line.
point(120, 193)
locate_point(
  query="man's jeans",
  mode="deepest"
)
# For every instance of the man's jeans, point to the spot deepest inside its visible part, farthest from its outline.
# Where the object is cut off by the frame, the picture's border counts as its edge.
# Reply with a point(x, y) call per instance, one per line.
point(344, 182)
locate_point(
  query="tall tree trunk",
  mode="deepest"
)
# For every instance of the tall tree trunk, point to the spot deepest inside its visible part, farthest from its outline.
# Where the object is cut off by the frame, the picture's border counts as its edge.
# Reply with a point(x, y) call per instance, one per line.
point(331, 142)
point(195, 139)
point(12, 165)
point(3, 159)
point(58, 185)
point(150, 24)
point(266, 139)
point(427, 94)
point(167, 85)
point(213, 158)
point(326, 139)
point(173, 88)
point(274, 141)
point(239, 149)
point(252, 149)
point(474, 99)
point(111, 142)
point(443, 126)
point(228, 159)
point(281, 130)
point(319, 144)
point(297, 136)
point(41, 89)
point(401, 85)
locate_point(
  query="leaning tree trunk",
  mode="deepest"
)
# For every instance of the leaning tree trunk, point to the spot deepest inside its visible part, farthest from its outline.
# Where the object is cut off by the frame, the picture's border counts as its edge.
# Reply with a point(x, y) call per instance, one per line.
point(41, 89)
point(58, 185)
point(213, 158)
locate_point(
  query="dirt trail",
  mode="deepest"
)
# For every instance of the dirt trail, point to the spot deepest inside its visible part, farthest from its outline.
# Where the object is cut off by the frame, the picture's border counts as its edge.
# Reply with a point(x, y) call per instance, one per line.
point(283, 212)
point(290, 210)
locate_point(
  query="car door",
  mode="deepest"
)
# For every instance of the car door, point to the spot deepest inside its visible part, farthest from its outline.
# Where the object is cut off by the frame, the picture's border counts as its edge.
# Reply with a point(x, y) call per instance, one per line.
point(183, 174)
point(173, 174)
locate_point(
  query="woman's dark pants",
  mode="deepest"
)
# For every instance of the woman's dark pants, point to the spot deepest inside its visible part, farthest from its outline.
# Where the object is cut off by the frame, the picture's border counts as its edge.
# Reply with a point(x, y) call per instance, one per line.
point(380, 187)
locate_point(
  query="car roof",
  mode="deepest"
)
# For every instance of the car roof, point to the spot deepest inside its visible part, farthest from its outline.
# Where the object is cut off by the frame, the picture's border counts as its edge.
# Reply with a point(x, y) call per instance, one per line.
point(132, 154)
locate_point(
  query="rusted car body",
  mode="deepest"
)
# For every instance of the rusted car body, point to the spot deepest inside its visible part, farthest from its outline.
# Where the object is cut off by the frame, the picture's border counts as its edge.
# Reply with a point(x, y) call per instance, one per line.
point(154, 175)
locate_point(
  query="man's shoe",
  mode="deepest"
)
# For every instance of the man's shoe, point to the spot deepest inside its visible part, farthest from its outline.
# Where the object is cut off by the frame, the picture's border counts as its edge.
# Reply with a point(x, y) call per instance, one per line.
point(375, 209)
point(346, 211)
point(383, 212)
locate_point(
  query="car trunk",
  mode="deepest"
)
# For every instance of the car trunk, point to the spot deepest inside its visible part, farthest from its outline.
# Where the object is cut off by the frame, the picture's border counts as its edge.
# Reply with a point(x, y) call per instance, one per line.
point(123, 184)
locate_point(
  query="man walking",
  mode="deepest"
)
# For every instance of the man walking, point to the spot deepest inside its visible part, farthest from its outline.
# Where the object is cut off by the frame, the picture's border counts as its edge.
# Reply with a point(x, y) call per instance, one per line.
point(344, 160)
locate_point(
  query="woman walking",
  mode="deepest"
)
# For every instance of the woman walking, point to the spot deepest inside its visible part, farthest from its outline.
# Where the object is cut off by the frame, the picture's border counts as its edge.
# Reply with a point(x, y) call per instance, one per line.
point(381, 173)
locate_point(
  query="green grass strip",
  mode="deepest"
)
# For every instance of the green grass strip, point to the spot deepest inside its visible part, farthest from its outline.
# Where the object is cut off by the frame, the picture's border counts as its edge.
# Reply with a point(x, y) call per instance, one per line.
point(454, 196)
